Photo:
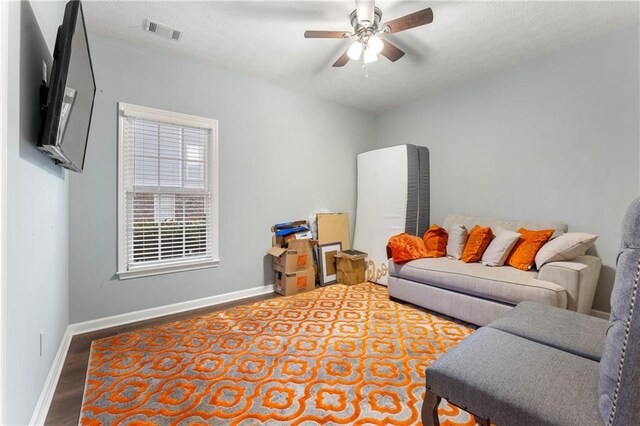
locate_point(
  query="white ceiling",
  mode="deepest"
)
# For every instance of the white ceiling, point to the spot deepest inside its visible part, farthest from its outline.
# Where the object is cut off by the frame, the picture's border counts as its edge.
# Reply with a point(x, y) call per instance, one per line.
point(265, 38)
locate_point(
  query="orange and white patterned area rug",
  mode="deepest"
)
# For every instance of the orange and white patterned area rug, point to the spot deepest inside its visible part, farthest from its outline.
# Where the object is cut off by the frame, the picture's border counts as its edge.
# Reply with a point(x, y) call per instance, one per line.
point(336, 355)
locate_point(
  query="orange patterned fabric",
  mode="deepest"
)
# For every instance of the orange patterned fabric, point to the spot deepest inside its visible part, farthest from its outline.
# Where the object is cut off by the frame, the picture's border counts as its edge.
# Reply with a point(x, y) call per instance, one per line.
point(405, 247)
point(336, 355)
point(477, 243)
point(524, 252)
point(435, 241)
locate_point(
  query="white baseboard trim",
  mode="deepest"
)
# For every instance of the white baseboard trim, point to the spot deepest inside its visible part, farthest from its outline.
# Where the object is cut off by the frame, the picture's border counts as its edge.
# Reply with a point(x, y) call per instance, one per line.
point(46, 396)
point(145, 314)
point(600, 314)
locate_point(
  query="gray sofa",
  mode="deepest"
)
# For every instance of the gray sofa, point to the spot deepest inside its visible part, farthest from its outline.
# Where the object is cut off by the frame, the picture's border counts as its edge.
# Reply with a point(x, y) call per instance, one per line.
point(540, 365)
point(480, 294)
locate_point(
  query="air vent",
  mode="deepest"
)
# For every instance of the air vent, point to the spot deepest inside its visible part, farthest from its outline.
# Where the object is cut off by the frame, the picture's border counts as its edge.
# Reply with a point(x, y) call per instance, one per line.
point(162, 30)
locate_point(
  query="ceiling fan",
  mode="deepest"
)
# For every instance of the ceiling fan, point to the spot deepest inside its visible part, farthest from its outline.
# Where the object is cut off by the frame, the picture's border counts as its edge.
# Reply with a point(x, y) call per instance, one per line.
point(365, 20)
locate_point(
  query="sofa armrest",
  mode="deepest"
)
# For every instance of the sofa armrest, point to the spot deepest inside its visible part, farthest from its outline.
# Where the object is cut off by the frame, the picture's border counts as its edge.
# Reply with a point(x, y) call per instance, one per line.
point(579, 277)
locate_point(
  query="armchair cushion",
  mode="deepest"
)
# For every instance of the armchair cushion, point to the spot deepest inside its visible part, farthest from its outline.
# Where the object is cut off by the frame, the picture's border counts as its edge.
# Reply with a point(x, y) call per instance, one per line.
point(579, 334)
point(512, 380)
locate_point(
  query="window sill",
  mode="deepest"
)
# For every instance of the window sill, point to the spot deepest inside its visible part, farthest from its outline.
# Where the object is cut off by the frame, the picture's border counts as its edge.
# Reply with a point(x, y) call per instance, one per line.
point(168, 269)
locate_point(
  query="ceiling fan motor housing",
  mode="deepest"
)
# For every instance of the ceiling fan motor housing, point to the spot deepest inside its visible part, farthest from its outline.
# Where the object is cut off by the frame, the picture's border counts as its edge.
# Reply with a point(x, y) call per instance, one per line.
point(359, 29)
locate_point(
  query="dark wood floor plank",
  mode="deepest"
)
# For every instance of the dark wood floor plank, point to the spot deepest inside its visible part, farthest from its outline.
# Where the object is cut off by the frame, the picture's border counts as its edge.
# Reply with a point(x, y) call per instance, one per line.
point(67, 399)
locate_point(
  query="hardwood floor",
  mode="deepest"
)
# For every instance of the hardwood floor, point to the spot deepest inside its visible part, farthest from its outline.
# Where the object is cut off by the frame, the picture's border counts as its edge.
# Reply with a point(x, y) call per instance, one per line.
point(67, 399)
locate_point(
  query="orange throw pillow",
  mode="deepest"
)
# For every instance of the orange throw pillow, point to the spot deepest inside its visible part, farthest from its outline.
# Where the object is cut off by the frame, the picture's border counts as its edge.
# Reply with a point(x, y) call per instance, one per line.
point(524, 253)
point(435, 241)
point(405, 247)
point(479, 239)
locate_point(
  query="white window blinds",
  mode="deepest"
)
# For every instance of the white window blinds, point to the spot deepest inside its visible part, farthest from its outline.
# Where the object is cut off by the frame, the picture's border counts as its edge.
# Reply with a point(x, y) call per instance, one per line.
point(167, 192)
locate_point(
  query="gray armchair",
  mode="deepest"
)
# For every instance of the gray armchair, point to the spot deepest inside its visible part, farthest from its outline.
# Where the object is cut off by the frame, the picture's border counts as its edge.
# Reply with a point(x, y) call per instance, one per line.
point(540, 365)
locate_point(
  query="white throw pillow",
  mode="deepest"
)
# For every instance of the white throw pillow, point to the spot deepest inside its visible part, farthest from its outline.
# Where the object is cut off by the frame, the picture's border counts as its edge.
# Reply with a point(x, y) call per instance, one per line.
point(500, 247)
point(565, 247)
point(458, 236)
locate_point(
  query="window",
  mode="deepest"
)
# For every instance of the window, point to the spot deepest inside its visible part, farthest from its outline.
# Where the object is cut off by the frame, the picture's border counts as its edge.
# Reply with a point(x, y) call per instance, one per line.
point(167, 192)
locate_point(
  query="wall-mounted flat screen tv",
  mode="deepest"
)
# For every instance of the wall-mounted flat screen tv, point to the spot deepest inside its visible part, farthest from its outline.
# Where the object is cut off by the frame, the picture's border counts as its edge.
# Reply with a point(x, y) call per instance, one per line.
point(69, 101)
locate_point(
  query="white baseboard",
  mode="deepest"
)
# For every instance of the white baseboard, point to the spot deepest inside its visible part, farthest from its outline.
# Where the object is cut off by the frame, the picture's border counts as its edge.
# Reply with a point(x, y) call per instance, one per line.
point(145, 314)
point(46, 396)
point(600, 314)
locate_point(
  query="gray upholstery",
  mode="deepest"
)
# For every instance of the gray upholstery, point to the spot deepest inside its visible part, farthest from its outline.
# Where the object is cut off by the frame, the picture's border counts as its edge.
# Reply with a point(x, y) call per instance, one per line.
point(514, 381)
point(579, 334)
point(619, 383)
point(503, 284)
point(631, 227)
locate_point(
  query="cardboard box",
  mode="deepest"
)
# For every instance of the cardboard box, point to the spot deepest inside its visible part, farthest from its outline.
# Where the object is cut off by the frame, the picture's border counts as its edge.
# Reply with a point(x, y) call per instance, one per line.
point(277, 241)
point(304, 235)
point(353, 254)
point(291, 283)
point(296, 257)
point(350, 271)
point(333, 228)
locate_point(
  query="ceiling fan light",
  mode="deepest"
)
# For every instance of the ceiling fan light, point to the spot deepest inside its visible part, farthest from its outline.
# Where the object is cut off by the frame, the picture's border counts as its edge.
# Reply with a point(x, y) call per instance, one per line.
point(355, 51)
point(370, 56)
point(375, 44)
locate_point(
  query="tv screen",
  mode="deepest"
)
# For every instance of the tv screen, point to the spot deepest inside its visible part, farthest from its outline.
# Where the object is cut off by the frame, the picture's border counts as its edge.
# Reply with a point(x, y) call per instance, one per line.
point(72, 88)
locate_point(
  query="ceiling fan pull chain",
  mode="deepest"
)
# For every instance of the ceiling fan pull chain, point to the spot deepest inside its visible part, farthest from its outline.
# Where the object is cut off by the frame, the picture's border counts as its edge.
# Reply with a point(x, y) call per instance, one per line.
point(366, 72)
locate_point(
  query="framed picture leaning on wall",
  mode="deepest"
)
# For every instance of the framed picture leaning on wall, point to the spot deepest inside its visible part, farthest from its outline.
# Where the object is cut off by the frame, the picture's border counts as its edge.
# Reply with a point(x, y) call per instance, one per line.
point(327, 262)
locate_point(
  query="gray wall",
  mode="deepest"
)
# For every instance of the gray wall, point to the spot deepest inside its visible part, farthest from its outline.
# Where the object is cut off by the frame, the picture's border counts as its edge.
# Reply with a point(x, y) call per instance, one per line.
point(283, 156)
point(557, 138)
point(37, 218)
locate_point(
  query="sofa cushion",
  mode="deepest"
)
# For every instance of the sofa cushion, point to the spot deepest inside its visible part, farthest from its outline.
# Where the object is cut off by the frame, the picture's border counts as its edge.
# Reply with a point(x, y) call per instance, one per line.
point(503, 283)
point(515, 381)
point(500, 248)
point(512, 225)
point(405, 247)
point(435, 241)
point(566, 247)
point(477, 243)
point(524, 253)
point(579, 334)
point(457, 239)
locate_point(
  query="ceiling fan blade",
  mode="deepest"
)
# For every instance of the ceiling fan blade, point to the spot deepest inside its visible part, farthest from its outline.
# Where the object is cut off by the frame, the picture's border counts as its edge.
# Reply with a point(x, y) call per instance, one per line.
point(342, 60)
point(391, 52)
point(325, 34)
point(415, 19)
point(364, 10)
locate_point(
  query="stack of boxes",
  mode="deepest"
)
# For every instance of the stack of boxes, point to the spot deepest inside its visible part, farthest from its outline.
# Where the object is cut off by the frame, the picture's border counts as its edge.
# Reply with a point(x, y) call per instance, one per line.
point(292, 253)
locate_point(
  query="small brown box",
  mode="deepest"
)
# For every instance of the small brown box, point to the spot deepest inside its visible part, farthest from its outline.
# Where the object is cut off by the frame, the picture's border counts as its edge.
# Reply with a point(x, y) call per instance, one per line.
point(349, 271)
point(277, 241)
point(298, 256)
point(294, 282)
